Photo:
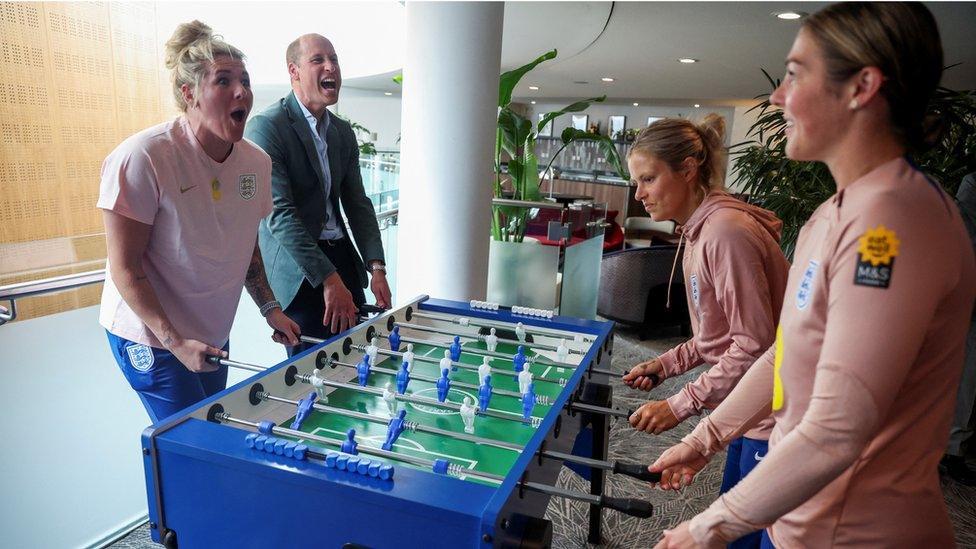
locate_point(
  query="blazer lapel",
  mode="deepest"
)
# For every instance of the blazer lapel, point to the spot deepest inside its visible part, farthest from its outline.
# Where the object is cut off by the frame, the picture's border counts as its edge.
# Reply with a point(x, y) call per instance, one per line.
point(304, 133)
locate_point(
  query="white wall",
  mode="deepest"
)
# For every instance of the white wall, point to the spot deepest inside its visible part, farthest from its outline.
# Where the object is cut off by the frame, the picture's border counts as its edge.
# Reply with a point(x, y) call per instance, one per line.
point(742, 120)
point(373, 110)
point(71, 464)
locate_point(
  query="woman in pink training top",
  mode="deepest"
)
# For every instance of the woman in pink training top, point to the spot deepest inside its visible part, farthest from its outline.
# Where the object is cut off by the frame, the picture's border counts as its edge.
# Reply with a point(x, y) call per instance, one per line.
point(735, 275)
point(182, 201)
point(862, 378)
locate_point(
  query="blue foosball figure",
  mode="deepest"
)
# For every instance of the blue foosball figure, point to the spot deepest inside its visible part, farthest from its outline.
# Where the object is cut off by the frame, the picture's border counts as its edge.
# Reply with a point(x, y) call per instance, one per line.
point(403, 378)
point(349, 445)
point(528, 402)
point(363, 370)
point(394, 428)
point(443, 385)
point(304, 408)
point(456, 350)
point(519, 359)
point(394, 338)
point(484, 394)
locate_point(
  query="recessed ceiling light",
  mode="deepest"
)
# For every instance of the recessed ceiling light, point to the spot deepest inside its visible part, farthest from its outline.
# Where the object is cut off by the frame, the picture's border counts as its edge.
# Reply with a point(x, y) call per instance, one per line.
point(687, 60)
point(697, 105)
point(789, 15)
point(607, 79)
point(637, 104)
point(387, 93)
point(534, 88)
point(533, 102)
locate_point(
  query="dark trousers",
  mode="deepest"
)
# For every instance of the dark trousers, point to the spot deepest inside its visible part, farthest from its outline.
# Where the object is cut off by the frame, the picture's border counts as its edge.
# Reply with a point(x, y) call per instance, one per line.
point(308, 307)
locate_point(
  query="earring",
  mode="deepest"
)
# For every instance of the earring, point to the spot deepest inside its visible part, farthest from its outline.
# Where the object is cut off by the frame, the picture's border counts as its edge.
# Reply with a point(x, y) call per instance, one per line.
point(853, 105)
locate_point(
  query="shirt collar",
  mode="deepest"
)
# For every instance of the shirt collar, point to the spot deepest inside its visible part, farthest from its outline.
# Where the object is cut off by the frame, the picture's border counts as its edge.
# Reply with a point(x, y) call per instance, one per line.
point(313, 122)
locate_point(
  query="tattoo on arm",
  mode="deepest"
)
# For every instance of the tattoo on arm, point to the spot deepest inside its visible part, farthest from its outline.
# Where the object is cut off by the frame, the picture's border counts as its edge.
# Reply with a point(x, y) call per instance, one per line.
point(256, 280)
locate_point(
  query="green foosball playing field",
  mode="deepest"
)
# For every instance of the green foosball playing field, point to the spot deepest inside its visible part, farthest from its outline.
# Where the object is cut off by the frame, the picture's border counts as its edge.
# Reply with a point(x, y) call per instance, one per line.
point(470, 455)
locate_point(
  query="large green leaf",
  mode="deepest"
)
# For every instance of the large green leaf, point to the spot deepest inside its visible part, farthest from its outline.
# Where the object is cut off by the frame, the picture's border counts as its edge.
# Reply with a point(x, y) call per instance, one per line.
point(515, 131)
point(510, 79)
point(575, 107)
point(606, 145)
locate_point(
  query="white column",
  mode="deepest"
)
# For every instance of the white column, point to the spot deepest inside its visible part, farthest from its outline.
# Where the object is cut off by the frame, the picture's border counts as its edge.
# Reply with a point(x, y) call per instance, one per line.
point(450, 98)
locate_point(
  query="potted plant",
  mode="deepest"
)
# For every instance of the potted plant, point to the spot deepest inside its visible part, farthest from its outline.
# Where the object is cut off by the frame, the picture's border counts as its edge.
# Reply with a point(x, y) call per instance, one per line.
point(516, 136)
point(793, 190)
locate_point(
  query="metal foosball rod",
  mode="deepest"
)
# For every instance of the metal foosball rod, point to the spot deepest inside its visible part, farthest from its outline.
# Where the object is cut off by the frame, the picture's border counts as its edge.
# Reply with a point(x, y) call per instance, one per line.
point(494, 371)
point(630, 506)
point(479, 337)
point(304, 378)
point(492, 354)
point(481, 322)
point(540, 399)
point(408, 425)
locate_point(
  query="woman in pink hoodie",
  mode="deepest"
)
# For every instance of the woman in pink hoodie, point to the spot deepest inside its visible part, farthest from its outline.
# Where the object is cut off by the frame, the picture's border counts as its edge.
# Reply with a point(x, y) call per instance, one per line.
point(862, 379)
point(735, 276)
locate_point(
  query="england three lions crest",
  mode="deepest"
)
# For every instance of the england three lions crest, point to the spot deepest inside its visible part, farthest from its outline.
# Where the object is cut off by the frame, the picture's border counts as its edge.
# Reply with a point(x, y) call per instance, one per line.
point(248, 184)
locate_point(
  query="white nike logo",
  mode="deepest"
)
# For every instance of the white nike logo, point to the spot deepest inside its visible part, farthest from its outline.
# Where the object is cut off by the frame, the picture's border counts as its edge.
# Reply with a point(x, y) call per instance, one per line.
point(758, 457)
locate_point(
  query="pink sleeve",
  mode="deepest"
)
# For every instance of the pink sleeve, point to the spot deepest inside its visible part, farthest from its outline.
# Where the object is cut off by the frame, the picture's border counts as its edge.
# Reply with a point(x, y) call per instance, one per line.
point(128, 186)
point(737, 268)
point(681, 358)
point(873, 336)
point(748, 404)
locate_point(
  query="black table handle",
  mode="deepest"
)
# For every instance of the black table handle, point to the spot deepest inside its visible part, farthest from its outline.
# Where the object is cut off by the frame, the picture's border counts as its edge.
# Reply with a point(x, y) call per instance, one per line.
point(636, 470)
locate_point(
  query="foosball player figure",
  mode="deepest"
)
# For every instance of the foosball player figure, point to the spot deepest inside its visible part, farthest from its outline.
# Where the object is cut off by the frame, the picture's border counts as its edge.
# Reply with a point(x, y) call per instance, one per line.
point(403, 378)
point(394, 338)
point(443, 385)
point(304, 408)
point(467, 414)
point(491, 340)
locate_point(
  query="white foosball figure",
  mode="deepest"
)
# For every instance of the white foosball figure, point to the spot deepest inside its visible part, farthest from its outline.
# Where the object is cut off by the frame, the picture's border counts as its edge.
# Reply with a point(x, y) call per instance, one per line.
point(467, 414)
point(408, 357)
point(446, 361)
point(491, 340)
point(390, 398)
point(484, 370)
point(520, 332)
point(319, 385)
point(562, 352)
point(524, 380)
point(372, 350)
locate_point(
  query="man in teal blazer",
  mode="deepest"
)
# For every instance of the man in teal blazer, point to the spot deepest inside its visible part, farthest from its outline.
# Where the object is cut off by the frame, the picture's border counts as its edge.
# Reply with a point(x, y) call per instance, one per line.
point(314, 269)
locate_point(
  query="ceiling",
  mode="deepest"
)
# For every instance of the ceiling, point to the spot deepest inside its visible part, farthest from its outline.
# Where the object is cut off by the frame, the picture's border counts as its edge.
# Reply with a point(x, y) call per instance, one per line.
point(638, 44)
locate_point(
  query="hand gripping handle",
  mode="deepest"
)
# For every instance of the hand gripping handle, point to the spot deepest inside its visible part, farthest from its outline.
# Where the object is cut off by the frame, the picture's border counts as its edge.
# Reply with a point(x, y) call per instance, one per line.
point(636, 470)
point(628, 506)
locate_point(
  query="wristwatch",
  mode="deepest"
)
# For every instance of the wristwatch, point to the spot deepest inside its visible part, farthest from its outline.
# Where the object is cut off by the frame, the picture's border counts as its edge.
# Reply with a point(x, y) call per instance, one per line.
point(268, 307)
point(377, 267)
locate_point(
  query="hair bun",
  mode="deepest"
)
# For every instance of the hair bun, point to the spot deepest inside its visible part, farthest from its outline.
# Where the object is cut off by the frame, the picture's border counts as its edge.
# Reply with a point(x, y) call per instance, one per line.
point(712, 128)
point(183, 37)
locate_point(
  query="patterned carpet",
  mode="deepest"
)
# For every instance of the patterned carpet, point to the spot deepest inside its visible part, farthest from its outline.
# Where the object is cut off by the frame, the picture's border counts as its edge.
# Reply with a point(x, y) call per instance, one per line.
point(670, 508)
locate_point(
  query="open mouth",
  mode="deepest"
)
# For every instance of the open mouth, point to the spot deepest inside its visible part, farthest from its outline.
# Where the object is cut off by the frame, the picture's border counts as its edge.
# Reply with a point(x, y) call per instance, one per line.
point(238, 115)
point(328, 84)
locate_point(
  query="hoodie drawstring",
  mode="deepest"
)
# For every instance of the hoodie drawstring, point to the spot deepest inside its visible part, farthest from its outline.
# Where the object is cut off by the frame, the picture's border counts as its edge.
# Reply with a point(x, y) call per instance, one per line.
point(674, 264)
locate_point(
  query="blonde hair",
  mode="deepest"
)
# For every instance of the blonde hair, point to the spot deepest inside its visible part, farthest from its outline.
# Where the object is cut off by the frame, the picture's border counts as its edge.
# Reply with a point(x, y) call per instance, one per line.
point(900, 39)
point(672, 140)
point(189, 52)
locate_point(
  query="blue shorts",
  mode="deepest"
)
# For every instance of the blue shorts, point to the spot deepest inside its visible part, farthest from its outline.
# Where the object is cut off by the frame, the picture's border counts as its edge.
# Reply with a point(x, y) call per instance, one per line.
point(743, 456)
point(162, 382)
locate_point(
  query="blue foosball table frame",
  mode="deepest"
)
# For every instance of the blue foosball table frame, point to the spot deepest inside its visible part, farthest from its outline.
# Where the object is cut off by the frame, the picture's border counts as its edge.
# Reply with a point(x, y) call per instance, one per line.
point(206, 488)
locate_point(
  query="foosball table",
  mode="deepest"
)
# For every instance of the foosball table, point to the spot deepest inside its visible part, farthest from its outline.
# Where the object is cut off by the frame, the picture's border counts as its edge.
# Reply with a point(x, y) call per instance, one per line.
point(435, 424)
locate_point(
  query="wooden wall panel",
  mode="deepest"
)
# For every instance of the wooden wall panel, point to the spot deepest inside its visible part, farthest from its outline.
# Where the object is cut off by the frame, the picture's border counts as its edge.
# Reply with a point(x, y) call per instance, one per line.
point(76, 78)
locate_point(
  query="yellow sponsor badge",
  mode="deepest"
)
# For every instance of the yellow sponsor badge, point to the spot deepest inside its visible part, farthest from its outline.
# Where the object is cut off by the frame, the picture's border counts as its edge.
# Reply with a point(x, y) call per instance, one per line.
point(215, 189)
point(876, 252)
point(777, 364)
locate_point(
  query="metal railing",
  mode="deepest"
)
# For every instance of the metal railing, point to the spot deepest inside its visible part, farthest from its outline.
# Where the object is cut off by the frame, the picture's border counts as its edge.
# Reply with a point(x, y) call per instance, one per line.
point(33, 288)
